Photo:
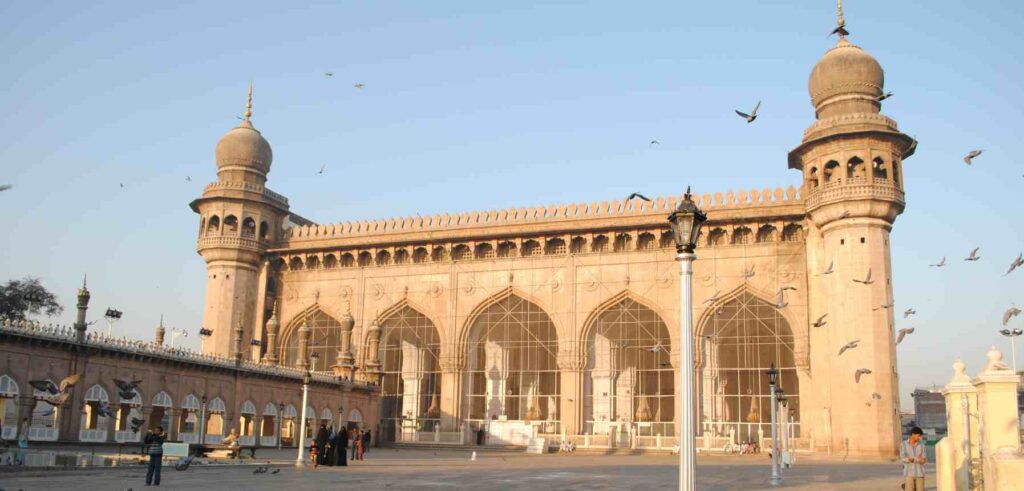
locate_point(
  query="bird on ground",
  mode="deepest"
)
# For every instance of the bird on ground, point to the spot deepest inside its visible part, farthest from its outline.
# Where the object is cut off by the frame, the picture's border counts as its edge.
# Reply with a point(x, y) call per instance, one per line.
point(262, 469)
point(884, 306)
point(848, 346)
point(1010, 313)
point(183, 464)
point(655, 142)
point(359, 86)
point(5, 187)
point(831, 268)
point(908, 313)
point(941, 263)
point(1015, 264)
point(860, 372)
point(821, 321)
point(902, 333)
point(971, 156)
point(974, 255)
point(638, 195)
point(753, 114)
point(328, 74)
point(867, 280)
point(883, 96)
point(323, 167)
point(275, 471)
point(713, 299)
point(749, 273)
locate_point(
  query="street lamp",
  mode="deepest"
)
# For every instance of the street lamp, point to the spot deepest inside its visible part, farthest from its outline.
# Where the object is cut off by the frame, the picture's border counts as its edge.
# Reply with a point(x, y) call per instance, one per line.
point(773, 375)
point(111, 316)
point(301, 437)
point(280, 423)
point(202, 421)
point(175, 332)
point(686, 220)
point(1013, 347)
point(784, 427)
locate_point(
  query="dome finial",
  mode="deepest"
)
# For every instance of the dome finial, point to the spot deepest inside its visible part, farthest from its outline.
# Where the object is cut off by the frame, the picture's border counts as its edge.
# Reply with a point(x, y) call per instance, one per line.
point(840, 22)
point(248, 102)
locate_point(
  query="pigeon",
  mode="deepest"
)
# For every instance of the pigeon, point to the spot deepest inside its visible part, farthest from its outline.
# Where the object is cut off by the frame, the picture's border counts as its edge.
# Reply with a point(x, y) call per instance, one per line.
point(753, 114)
point(638, 195)
point(188, 178)
point(831, 268)
point(5, 187)
point(821, 321)
point(57, 400)
point(1010, 313)
point(859, 372)
point(883, 96)
point(262, 469)
point(974, 255)
point(749, 273)
point(127, 386)
point(104, 409)
point(655, 348)
point(846, 214)
point(46, 414)
point(883, 306)
point(122, 185)
point(184, 463)
point(941, 263)
point(136, 424)
point(1015, 264)
point(126, 394)
point(322, 169)
point(780, 297)
point(275, 471)
point(713, 299)
point(841, 28)
point(655, 142)
point(44, 386)
point(849, 346)
point(970, 156)
point(359, 86)
point(908, 313)
point(328, 74)
point(903, 333)
point(866, 281)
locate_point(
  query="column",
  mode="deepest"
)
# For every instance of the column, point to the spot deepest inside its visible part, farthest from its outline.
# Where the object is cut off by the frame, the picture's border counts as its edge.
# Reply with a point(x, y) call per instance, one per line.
point(958, 389)
point(273, 326)
point(997, 407)
point(495, 371)
point(571, 365)
point(172, 430)
point(412, 381)
point(452, 373)
point(256, 329)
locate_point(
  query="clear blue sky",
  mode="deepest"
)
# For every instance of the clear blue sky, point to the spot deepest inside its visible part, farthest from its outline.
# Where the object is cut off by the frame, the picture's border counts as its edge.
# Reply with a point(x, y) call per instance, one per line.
point(472, 105)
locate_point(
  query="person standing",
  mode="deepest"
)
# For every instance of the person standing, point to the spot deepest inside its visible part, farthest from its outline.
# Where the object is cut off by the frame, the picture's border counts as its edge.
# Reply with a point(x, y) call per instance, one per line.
point(340, 445)
point(366, 442)
point(356, 442)
point(912, 456)
point(322, 437)
point(155, 448)
point(22, 437)
point(359, 445)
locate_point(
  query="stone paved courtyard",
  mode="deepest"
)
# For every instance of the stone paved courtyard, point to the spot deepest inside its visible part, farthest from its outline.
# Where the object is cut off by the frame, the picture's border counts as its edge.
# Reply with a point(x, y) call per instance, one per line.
point(452, 469)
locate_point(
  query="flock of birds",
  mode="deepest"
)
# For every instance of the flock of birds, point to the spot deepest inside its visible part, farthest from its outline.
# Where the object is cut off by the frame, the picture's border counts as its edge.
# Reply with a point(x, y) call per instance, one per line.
point(58, 394)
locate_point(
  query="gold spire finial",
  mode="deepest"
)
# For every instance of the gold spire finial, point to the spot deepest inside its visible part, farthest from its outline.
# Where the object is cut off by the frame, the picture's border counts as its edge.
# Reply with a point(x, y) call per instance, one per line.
point(161, 320)
point(248, 104)
point(840, 22)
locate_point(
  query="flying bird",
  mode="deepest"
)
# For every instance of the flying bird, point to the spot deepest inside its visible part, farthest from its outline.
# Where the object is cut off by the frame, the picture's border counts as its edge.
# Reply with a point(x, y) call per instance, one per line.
point(655, 142)
point(753, 114)
point(941, 263)
point(127, 394)
point(127, 385)
point(136, 424)
point(848, 346)
point(323, 167)
point(831, 268)
point(859, 372)
point(1015, 264)
point(821, 321)
point(183, 464)
point(974, 255)
point(713, 299)
point(104, 409)
point(44, 386)
point(749, 273)
point(638, 195)
point(359, 86)
point(840, 29)
point(1010, 313)
point(866, 281)
point(903, 333)
point(5, 187)
point(908, 313)
point(46, 414)
point(328, 74)
point(188, 178)
point(655, 348)
point(57, 400)
point(780, 297)
point(883, 96)
point(122, 185)
point(970, 156)
point(884, 306)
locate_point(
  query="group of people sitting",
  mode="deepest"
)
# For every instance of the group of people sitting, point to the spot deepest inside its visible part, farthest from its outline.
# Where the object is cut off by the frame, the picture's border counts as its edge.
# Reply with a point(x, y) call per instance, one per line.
point(566, 447)
point(330, 447)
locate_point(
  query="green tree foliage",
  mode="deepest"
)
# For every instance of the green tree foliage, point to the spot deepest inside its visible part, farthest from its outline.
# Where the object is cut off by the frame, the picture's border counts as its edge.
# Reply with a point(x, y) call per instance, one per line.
point(27, 296)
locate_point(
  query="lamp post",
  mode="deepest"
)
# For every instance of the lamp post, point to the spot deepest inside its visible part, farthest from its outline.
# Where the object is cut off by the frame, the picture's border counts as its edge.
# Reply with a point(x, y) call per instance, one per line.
point(300, 439)
point(784, 423)
point(202, 421)
point(175, 332)
point(111, 316)
point(686, 221)
point(772, 377)
point(1012, 334)
point(280, 423)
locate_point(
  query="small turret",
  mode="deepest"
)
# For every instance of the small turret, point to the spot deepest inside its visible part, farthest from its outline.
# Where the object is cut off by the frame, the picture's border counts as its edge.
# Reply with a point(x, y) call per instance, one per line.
point(160, 331)
point(83, 307)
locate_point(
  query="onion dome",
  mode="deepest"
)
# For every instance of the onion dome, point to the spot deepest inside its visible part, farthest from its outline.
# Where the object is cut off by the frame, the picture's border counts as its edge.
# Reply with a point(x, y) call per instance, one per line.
point(243, 149)
point(846, 80)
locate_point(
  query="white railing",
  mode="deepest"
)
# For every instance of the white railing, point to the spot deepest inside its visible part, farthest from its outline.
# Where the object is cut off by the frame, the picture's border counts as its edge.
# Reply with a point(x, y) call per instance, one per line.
point(213, 439)
point(268, 441)
point(189, 437)
point(9, 433)
point(125, 436)
point(92, 435)
point(247, 440)
point(42, 434)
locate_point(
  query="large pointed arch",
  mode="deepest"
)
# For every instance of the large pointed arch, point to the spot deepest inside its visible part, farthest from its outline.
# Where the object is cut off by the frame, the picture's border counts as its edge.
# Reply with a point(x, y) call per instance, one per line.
point(611, 302)
point(324, 339)
point(505, 293)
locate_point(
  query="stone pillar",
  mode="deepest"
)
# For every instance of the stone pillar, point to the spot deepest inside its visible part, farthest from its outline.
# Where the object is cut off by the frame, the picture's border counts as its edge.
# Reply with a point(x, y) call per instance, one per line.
point(172, 429)
point(302, 357)
point(571, 364)
point(273, 326)
point(453, 366)
point(997, 407)
point(495, 371)
point(238, 342)
point(959, 388)
point(373, 366)
point(344, 363)
point(412, 380)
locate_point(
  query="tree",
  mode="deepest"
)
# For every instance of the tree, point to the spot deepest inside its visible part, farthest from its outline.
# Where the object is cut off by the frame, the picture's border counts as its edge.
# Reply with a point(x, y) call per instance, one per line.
point(27, 296)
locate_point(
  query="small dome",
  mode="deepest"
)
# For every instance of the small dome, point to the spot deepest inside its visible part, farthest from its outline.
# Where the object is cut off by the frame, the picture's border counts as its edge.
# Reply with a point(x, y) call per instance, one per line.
point(846, 80)
point(244, 148)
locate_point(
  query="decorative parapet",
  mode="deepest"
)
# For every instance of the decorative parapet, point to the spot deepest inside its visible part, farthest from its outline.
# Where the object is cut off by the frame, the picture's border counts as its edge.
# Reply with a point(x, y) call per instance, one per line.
point(228, 241)
point(247, 186)
point(545, 214)
point(66, 334)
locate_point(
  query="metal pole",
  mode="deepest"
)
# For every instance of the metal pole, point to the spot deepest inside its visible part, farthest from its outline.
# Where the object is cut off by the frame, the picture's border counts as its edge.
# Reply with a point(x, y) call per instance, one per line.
point(301, 437)
point(688, 429)
point(280, 424)
point(1013, 352)
point(776, 478)
point(965, 405)
point(202, 425)
point(785, 434)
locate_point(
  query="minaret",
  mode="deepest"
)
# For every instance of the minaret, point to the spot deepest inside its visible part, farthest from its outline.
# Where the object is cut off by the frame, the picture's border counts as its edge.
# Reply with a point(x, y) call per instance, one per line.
point(851, 158)
point(239, 219)
point(160, 331)
point(83, 307)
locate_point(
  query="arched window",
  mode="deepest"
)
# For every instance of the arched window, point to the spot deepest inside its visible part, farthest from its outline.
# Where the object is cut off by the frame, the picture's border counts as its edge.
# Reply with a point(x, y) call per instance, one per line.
point(439, 254)
point(9, 407)
point(264, 230)
point(736, 346)
point(792, 232)
point(578, 245)
point(213, 227)
point(512, 371)
point(312, 262)
point(716, 237)
point(268, 425)
point(812, 178)
point(330, 262)
point(247, 422)
point(896, 172)
point(95, 415)
point(409, 349)
point(460, 252)
point(484, 250)
point(667, 240)
point(401, 256)
point(419, 255)
point(741, 235)
point(355, 419)
point(202, 225)
point(288, 430)
point(188, 422)
point(878, 169)
point(327, 417)
point(324, 339)
point(248, 227)
point(855, 168)
point(766, 233)
point(645, 241)
point(383, 258)
point(600, 243)
point(622, 242)
point(831, 171)
point(506, 249)
point(530, 248)
point(215, 420)
point(295, 264)
point(365, 258)
point(629, 378)
point(230, 224)
point(347, 260)
point(555, 246)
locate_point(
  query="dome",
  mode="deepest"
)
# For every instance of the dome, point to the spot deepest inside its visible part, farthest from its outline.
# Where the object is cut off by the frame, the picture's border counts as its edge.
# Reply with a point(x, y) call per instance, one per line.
point(244, 148)
point(846, 80)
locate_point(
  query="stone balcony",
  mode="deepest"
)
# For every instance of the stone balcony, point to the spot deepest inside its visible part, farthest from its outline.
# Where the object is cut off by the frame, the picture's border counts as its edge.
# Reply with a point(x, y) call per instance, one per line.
point(855, 188)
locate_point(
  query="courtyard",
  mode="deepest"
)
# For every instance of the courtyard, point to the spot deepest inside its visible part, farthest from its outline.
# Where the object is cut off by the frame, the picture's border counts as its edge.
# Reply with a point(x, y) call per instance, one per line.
point(387, 468)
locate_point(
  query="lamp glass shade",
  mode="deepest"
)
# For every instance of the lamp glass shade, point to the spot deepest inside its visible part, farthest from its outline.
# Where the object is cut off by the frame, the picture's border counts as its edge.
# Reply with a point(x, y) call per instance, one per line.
point(772, 375)
point(686, 221)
